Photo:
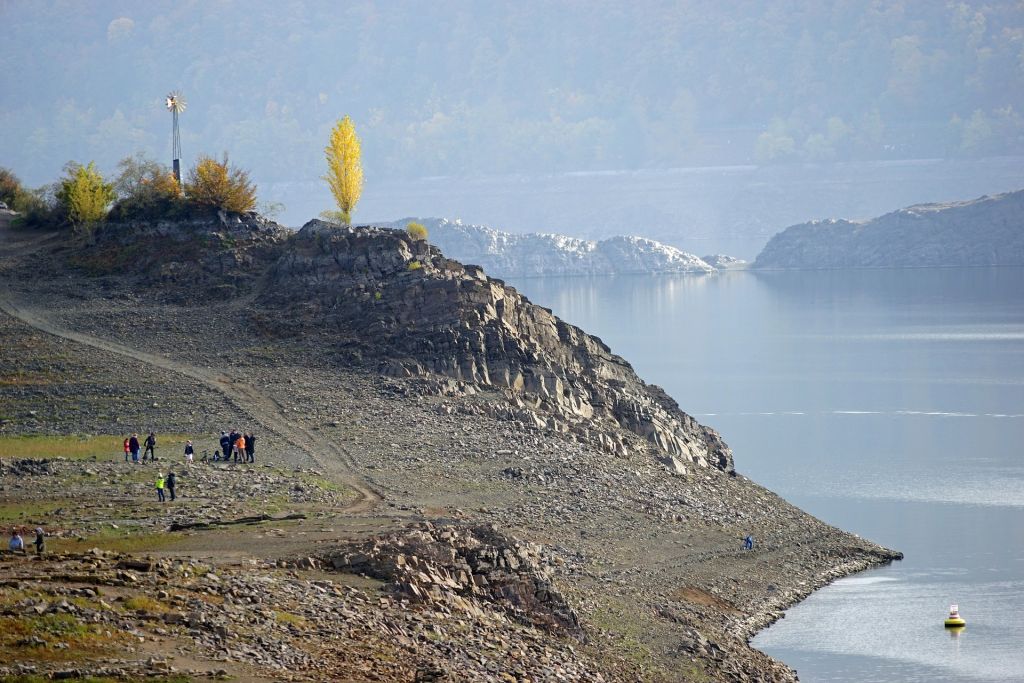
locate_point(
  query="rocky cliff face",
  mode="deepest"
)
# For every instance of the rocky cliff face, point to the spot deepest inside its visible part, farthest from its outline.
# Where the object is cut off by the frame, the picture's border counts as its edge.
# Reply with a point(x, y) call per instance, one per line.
point(405, 306)
point(508, 255)
point(988, 231)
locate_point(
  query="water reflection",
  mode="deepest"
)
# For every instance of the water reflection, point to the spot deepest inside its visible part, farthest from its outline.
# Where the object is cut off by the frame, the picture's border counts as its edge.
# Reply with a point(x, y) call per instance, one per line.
point(886, 402)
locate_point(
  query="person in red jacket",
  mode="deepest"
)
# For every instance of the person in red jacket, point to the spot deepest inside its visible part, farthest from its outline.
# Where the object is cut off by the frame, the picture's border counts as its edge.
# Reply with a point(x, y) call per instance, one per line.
point(127, 450)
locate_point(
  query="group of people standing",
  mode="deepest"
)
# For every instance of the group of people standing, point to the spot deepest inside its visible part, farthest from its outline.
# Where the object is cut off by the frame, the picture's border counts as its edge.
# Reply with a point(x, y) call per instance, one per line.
point(237, 447)
point(234, 446)
point(132, 447)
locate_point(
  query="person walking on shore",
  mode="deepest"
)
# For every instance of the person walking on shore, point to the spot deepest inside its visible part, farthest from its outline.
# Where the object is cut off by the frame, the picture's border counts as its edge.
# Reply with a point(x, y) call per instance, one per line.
point(40, 542)
point(172, 481)
point(189, 452)
point(250, 448)
point(127, 450)
point(150, 445)
point(133, 446)
point(160, 488)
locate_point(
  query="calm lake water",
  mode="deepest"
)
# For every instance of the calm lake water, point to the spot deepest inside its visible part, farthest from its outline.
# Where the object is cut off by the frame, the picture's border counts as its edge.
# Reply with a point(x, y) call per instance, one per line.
point(887, 402)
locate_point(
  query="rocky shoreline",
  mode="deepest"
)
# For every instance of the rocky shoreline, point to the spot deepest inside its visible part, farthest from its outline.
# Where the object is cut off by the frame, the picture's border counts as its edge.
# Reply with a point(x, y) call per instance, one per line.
point(605, 548)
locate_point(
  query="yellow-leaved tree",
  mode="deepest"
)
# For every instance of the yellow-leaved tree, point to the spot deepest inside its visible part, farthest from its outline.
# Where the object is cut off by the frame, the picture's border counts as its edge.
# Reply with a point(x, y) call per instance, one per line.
point(344, 169)
point(84, 194)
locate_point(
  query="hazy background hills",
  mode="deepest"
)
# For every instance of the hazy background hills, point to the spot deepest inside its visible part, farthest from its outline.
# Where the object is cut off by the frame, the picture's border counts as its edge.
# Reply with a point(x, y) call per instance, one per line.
point(586, 117)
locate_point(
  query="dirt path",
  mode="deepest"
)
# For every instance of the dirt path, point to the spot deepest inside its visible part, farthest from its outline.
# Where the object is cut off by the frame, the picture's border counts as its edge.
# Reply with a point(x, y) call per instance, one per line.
point(248, 399)
point(330, 457)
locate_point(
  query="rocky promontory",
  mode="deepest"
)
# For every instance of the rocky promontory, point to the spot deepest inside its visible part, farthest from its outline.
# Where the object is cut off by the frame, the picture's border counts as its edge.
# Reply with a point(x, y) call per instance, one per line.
point(377, 298)
point(509, 255)
point(988, 231)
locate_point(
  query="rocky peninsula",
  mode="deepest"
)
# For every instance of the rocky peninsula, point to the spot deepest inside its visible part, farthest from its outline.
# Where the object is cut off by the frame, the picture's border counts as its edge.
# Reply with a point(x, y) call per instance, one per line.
point(507, 254)
point(452, 483)
point(988, 231)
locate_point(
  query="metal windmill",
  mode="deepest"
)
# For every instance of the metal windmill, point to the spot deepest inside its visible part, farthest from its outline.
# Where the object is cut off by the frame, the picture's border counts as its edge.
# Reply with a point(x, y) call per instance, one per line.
point(176, 104)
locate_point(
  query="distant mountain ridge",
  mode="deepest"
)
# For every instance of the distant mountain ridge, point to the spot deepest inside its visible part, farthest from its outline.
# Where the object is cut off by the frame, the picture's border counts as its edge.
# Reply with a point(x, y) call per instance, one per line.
point(988, 231)
point(505, 254)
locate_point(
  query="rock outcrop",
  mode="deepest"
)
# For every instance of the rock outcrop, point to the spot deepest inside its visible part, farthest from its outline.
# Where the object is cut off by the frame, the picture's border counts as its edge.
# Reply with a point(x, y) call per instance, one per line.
point(415, 312)
point(988, 231)
point(724, 262)
point(372, 297)
point(460, 567)
point(516, 255)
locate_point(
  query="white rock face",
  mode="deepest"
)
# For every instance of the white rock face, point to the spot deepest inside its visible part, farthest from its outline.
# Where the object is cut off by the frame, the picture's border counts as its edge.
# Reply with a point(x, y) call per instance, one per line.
point(724, 262)
point(504, 254)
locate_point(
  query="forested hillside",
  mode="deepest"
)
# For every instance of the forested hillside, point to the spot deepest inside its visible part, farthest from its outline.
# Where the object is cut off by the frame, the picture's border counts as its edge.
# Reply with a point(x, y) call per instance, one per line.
point(453, 87)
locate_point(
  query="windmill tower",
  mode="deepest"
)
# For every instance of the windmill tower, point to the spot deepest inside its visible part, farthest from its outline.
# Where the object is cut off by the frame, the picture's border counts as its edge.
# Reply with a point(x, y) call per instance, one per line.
point(176, 104)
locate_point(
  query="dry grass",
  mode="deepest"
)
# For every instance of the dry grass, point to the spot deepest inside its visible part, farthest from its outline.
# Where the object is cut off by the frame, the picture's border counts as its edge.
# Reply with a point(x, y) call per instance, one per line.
point(144, 603)
point(289, 618)
point(79, 641)
point(86, 447)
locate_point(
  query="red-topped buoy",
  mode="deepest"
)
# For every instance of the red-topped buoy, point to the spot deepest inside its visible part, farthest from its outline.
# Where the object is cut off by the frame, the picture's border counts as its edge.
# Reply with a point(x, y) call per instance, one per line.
point(954, 620)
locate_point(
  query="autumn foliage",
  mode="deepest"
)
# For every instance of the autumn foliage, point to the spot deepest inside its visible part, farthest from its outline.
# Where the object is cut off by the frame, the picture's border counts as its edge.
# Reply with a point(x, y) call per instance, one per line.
point(344, 169)
point(84, 194)
point(416, 231)
point(215, 184)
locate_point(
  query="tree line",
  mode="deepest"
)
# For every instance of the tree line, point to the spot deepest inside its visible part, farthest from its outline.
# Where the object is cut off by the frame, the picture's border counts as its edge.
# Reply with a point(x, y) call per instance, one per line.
point(145, 189)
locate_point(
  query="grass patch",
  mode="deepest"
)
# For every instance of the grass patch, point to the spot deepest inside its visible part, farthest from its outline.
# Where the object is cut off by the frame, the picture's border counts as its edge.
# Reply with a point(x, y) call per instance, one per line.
point(118, 540)
point(630, 638)
point(144, 603)
point(88, 447)
point(28, 512)
point(289, 618)
point(323, 484)
point(80, 641)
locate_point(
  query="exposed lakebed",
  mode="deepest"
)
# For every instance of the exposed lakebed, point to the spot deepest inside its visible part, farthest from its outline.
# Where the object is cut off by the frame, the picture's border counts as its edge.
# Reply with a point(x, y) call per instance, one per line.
point(887, 402)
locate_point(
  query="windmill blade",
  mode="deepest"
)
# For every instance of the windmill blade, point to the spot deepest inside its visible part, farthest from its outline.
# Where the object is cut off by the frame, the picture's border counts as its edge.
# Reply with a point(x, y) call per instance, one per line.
point(176, 102)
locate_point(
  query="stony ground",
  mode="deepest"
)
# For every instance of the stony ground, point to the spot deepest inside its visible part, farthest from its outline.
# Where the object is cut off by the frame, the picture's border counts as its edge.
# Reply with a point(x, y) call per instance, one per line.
point(649, 562)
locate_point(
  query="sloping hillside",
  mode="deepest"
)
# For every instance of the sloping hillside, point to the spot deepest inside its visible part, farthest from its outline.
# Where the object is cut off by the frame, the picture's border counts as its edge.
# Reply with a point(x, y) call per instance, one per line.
point(988, 231)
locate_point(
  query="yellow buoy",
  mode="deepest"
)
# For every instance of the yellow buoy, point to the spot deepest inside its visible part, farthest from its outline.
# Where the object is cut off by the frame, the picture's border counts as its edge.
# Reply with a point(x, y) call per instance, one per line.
point(954, 620)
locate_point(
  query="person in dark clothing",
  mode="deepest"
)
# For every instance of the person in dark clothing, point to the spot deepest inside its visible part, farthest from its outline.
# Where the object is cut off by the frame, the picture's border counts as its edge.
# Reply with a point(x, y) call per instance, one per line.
point(748, 542)
point(225, 445)
point(250, 448)
point(172, 481)
point(150, 445)
point(231, 452)
point(40, 541)
point(133, 446)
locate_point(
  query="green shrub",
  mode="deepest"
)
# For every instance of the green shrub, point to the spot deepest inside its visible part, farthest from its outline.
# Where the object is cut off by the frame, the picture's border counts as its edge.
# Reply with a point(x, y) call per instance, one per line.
point(11, 188)
point(415, 265)
point(40, 208)
point(84, 194)
point(146, 189)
